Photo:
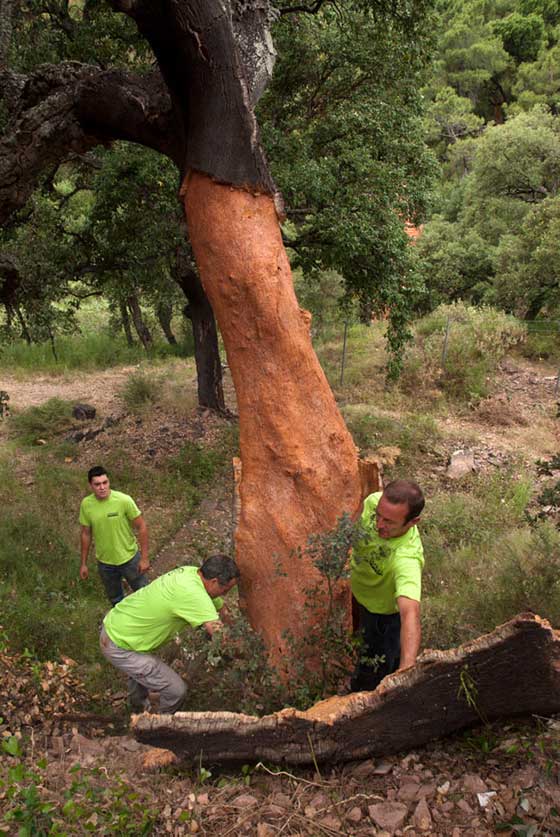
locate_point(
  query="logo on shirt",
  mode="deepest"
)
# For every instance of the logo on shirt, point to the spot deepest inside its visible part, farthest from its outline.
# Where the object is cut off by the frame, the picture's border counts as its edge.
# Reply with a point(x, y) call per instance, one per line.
point(113, 514)
point(377, 558)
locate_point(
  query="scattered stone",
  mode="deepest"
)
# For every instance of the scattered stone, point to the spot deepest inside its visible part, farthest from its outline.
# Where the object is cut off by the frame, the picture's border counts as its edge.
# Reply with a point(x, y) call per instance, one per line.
point(461, 463)
point(265, 830)
point(40, 442)
point(355, 814)
point(464, 806)
point(83, 412)
point(444, 788)
point(484, 798)
point(245, 800)
point(422, 817)
point(365, 768)
point(382, 768)
point(388, 815)
point(408, 792)
point(473, 784)
point(330, 822)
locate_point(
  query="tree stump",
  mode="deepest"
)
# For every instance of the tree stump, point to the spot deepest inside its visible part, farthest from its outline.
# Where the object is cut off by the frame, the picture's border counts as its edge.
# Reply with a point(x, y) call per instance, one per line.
point(515, 670)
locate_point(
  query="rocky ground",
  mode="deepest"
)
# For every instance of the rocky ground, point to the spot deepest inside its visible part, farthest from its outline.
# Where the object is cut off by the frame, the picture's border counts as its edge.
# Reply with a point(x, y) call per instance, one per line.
point(494, 779)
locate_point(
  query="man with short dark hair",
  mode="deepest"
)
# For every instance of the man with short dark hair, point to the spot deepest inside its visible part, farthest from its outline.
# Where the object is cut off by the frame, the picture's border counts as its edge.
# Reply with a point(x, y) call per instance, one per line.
point(109, 518)
point(386, 580)
point(149, 618)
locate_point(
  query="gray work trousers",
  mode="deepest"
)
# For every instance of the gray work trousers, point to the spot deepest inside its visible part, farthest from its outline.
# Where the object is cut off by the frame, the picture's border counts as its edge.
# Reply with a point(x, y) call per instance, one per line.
point(146, 673)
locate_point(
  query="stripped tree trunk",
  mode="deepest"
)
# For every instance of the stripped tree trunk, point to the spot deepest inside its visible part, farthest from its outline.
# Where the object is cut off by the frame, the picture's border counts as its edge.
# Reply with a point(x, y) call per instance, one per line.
point(515, 670)
point(300, 468)
point(299, 462)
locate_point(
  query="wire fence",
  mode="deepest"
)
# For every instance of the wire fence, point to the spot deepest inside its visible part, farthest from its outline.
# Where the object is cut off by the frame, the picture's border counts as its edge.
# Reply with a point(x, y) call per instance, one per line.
point(534, 327)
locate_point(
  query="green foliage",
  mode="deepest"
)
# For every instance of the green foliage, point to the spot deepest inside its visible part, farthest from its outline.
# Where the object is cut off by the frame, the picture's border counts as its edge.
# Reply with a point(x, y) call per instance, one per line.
point(342, 125)
point(528, 273)
point(325, 641)
point(45, 421)
point(141, 390)
point(87, 806)
point(459, 347)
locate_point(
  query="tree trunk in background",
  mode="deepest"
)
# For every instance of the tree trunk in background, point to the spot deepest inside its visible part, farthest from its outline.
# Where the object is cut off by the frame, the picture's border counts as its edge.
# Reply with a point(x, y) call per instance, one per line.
point(125, 322)
point(300, 469)
point(142, 329)
point(205, 334)
point(164, 313)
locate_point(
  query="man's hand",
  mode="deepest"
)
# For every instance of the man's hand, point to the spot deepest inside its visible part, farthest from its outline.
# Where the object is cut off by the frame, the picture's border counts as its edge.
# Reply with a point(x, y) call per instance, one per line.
point(144, 565)
point(84, 572)
point(141, 529)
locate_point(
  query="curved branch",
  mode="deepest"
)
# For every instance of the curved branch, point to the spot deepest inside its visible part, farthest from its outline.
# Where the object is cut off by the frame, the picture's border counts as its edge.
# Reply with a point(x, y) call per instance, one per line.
point(69, 108)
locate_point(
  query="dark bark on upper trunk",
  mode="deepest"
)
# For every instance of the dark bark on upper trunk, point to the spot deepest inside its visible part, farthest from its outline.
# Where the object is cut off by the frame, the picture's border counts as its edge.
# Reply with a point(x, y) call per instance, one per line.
point(212, 91)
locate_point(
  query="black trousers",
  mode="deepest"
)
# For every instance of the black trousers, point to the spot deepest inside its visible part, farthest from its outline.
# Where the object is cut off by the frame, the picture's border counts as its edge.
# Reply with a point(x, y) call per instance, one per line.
point(381, 638)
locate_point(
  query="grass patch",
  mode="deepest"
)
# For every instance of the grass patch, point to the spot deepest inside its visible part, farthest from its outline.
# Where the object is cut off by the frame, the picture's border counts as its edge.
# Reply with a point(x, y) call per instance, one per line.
point(141, 390)
point(45, 421)
point(89, 351)
point(483, 563)
point(412, 434)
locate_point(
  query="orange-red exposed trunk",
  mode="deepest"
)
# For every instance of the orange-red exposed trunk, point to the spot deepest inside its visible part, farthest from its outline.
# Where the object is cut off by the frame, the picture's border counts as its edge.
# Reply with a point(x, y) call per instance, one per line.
point(300, 469)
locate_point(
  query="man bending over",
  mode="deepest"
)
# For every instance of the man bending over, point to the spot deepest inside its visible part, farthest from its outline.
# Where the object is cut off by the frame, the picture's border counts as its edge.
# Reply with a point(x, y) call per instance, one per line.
point(150, 617)
point(386, 581)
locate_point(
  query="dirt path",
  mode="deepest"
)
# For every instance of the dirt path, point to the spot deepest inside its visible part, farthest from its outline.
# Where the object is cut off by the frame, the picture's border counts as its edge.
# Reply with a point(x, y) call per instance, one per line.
point(99, 388)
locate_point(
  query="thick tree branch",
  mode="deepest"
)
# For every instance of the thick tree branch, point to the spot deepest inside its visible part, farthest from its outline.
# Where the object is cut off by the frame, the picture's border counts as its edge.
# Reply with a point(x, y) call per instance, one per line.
point(63, 110)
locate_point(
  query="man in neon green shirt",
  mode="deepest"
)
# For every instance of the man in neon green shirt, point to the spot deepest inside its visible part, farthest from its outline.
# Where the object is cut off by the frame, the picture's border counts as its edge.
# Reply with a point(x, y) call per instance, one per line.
point(109, 517)
point(386, 581)
point(148, 618)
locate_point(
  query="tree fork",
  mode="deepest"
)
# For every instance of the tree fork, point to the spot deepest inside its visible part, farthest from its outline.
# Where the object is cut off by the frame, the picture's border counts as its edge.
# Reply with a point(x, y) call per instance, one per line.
point(300, 468)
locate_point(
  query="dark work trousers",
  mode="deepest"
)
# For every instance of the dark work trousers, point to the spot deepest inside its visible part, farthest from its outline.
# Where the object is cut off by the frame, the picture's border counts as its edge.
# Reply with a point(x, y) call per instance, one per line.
point(112, 576)
point(381, 636)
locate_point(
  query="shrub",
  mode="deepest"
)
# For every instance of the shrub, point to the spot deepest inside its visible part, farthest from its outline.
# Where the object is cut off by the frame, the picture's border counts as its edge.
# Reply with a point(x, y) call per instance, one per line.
point(461, 347)
point(43, 422)
point(141, 390)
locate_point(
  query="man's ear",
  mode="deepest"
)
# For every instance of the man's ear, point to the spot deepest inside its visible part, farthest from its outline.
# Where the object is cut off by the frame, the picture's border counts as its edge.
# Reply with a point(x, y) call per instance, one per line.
point(414, 521)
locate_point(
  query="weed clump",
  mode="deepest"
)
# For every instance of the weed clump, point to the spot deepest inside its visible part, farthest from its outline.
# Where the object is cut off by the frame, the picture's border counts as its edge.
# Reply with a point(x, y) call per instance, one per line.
point(458, 348)
point(141, 390)
point(45, 421)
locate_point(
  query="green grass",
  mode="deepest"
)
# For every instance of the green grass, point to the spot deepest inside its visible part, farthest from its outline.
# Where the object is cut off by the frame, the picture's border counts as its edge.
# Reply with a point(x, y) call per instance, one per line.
point(44, 605)
point(92, 350)
point(484, 563)
point(45, 421)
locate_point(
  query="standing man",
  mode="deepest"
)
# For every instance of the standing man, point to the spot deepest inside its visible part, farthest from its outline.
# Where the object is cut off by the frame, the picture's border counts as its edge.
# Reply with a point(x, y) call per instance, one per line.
point(386, 581)
point(110, 518)
point(150, 617)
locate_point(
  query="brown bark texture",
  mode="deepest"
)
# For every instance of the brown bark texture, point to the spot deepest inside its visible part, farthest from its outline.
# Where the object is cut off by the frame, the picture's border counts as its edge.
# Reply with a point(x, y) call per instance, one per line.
point(515, 670)
point(300, 468)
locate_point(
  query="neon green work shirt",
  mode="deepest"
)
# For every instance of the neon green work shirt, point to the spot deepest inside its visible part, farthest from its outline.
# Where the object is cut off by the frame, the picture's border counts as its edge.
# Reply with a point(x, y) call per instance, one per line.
point(152, 615)
point(109, 521)
point(381, 569)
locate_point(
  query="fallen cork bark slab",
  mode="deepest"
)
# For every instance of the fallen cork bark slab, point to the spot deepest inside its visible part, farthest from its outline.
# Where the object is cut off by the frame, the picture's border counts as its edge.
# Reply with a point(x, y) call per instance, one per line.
point(515, 670)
